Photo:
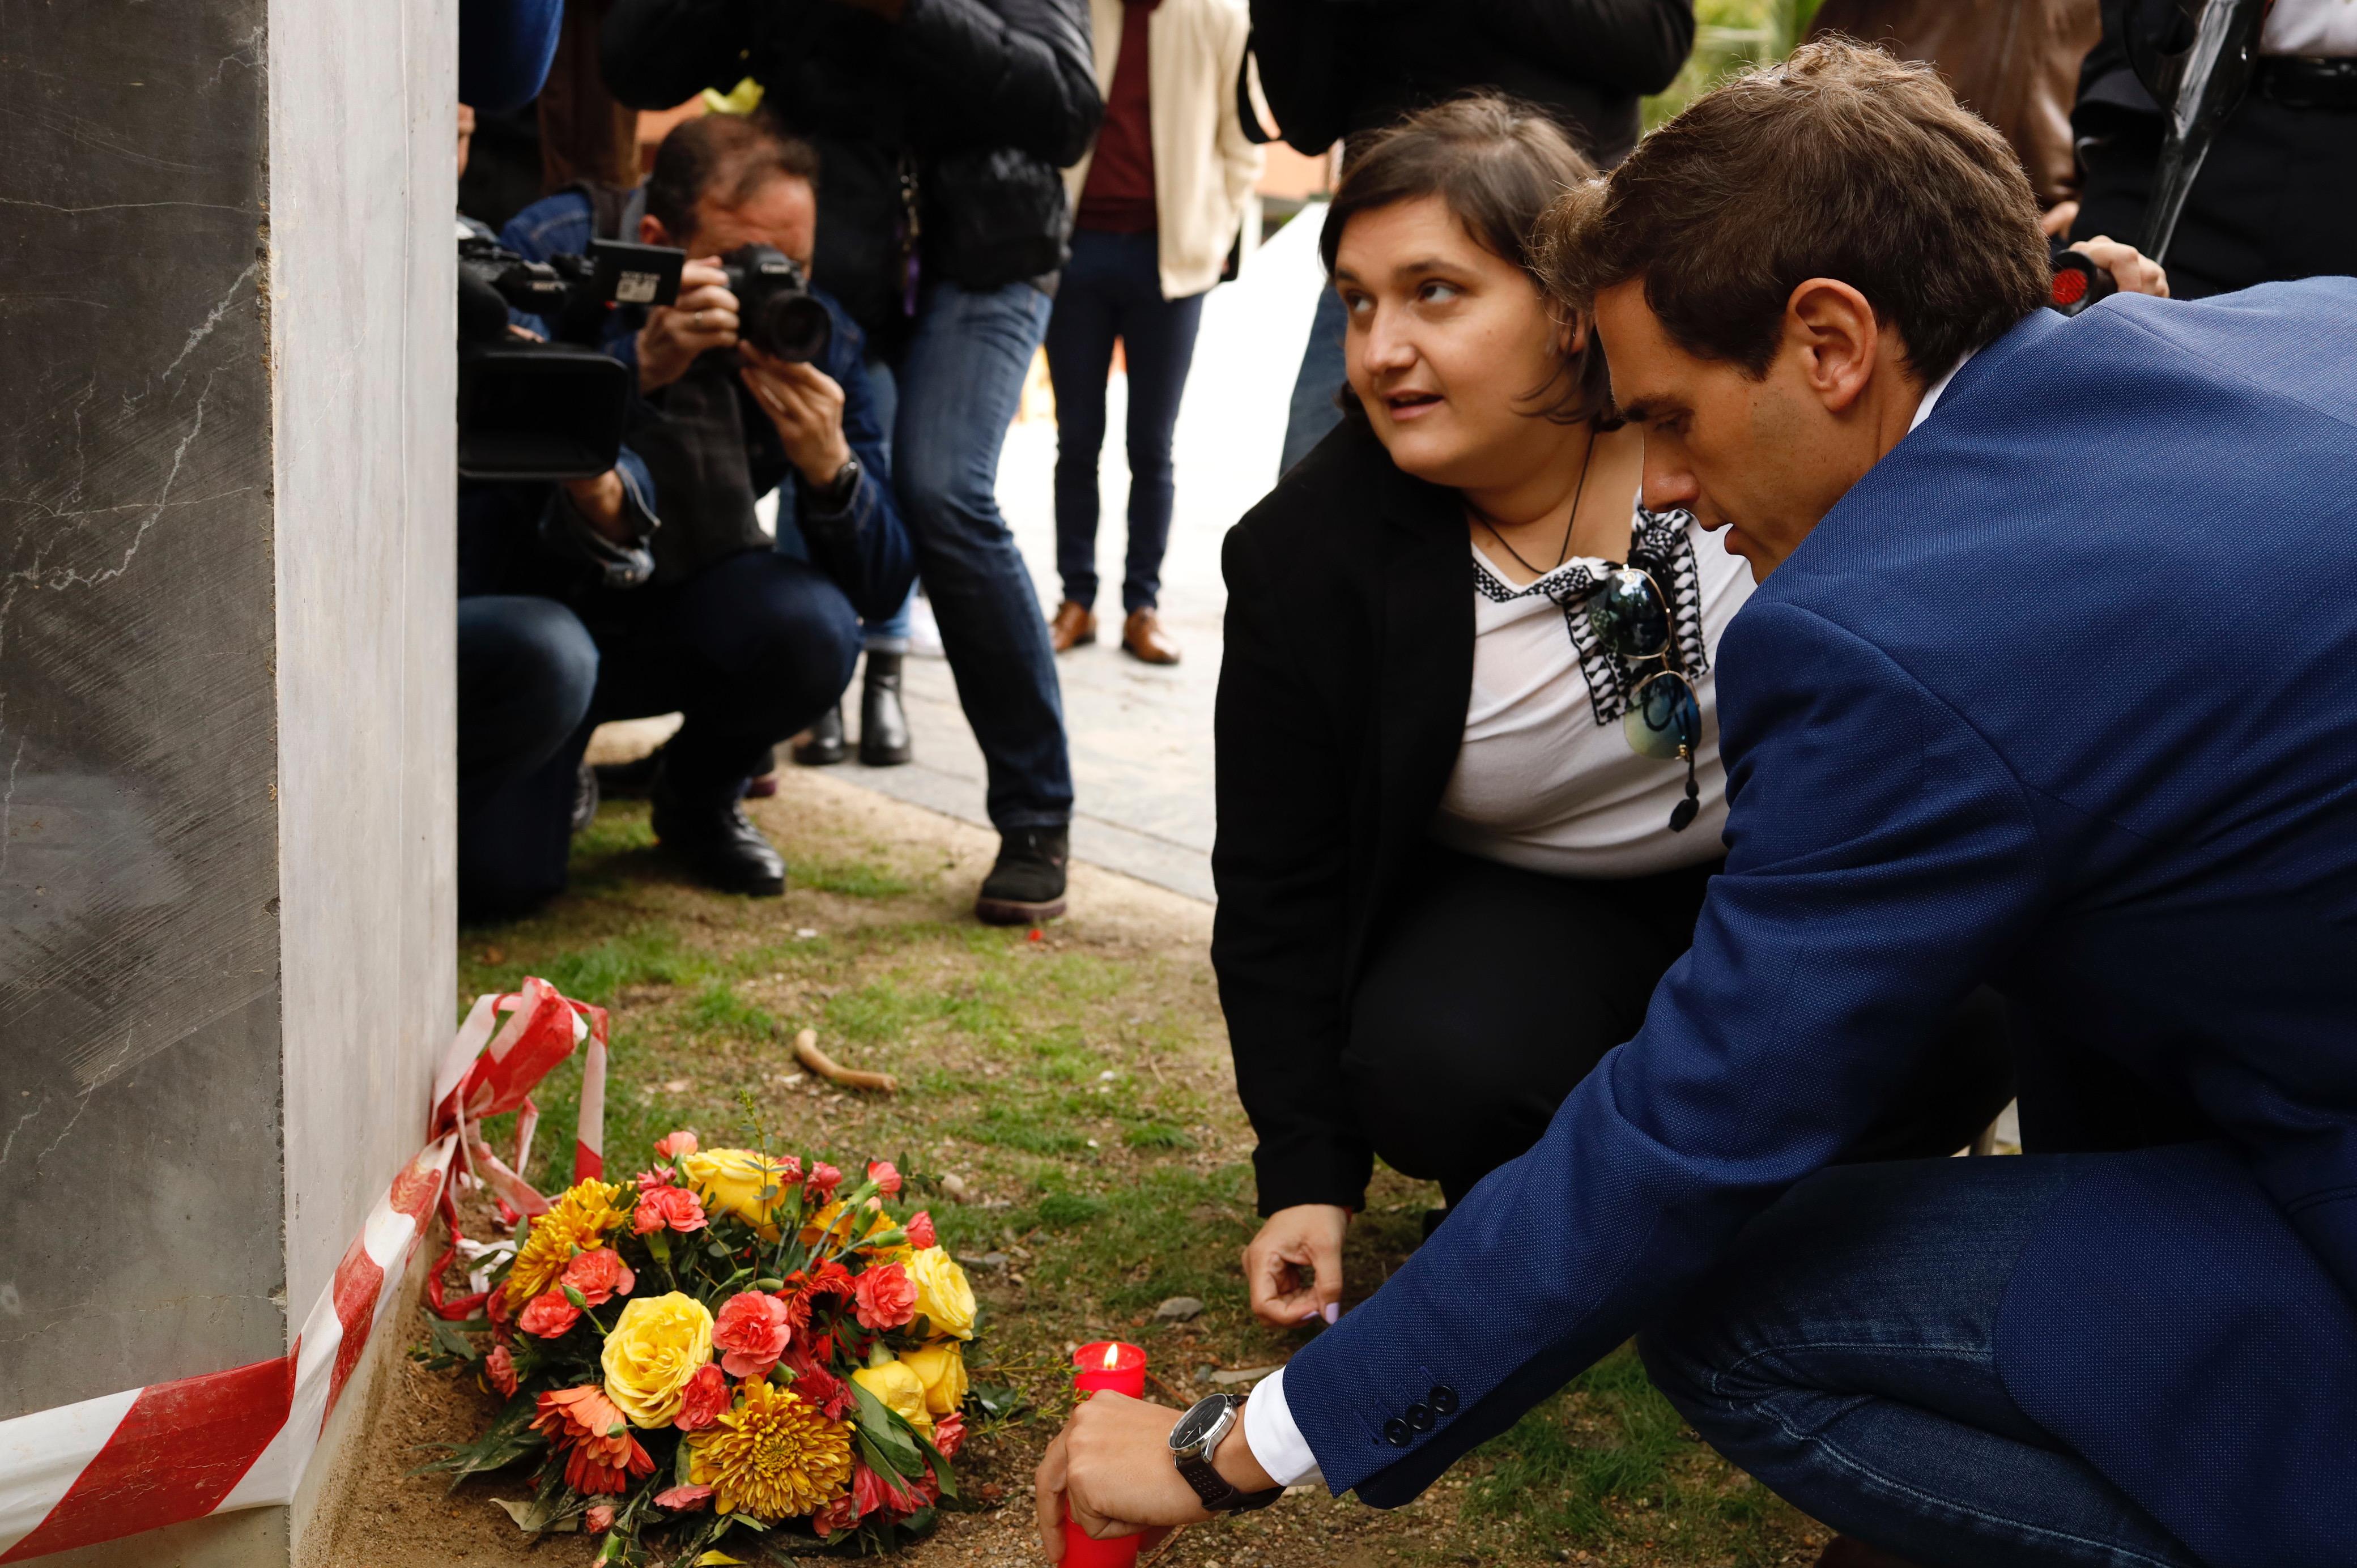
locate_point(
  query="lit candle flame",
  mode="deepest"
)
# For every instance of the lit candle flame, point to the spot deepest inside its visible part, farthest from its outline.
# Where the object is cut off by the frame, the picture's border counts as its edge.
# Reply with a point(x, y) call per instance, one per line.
point(1112, 1357)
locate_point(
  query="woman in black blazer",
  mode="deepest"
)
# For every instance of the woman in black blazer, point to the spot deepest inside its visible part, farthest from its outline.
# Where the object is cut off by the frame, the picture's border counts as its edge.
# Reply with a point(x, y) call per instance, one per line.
point(1447, 884)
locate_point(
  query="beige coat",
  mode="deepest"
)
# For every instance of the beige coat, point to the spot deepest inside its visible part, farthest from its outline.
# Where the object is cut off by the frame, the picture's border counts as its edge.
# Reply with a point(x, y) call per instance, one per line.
point(1204, 170)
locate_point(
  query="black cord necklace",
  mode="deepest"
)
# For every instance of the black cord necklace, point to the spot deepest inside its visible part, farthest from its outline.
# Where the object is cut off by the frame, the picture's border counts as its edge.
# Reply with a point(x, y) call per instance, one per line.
point(1563, 553)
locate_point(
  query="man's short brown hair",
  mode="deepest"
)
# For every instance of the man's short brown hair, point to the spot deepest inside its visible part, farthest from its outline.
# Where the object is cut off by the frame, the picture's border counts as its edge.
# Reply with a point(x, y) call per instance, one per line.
point(724, 156)
point(1841, 163)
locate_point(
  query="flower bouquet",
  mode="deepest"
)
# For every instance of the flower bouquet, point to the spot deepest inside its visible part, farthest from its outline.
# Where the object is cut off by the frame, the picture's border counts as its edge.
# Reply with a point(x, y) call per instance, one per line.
point(732, 1342)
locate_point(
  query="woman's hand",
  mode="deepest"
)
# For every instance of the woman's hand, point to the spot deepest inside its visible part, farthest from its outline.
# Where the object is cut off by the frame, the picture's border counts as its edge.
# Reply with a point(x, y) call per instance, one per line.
point(805, 407)
point(1295, 1266)
point(702, 318)
point(1110, 1470)
point(2134, 272)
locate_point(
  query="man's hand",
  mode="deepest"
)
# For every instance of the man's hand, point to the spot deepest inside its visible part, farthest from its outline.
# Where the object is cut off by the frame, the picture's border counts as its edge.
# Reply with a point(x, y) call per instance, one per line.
point(599, 502)
point(805, 406)
point(1293, 1266)
point(1111, 1470)
point(2130, 268)
point(703, 318)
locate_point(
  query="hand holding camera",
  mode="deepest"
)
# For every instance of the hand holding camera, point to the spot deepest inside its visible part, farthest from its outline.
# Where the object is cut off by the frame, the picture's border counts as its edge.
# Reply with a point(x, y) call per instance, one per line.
point(804, 405)
point(703, 318)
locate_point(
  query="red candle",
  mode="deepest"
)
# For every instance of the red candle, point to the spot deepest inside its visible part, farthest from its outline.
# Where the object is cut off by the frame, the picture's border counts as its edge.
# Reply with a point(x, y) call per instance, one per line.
point(1107, 1364)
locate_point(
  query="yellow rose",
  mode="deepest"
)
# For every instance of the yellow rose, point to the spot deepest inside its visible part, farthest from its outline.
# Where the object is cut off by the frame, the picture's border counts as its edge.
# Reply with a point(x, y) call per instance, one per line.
point(899, 1390)
point(943, 1293)
point(941, 1366)
point(732, 1181)
point(656, 1347)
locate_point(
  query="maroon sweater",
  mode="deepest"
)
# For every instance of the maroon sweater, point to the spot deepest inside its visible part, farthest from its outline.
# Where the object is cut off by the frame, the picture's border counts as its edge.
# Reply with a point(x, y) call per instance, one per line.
point(1119, 194)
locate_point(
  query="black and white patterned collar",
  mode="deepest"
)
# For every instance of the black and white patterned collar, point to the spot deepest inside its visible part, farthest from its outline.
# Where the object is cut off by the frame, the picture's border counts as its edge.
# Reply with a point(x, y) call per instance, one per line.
point(1663, 539)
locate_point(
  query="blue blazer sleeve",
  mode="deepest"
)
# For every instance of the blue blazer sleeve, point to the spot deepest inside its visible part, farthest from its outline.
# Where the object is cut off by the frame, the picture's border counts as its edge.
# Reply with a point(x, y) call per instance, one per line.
point(865, 547)
point(504, 49)
point(1881, 856)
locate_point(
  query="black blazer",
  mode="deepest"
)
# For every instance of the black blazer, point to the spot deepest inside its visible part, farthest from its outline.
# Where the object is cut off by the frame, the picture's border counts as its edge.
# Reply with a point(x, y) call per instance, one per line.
point(1348, 667)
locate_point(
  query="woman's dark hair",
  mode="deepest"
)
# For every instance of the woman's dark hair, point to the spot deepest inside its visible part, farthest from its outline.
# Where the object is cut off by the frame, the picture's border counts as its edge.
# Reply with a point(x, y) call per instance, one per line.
point(1499, 165)
point(724, 156)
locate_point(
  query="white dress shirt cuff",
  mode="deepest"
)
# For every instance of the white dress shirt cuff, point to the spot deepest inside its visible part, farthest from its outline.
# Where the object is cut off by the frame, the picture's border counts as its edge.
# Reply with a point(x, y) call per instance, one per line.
point(1275, 1441)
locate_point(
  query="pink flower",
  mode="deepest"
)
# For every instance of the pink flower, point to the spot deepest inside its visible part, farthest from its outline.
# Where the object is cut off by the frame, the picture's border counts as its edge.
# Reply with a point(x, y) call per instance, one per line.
point(884, 1174)
point(948, 1434)
point(499, 1367)
point(679, 1499)
point(920, 1230)
point(599, 1275)
point(885, 1297)
point(789, 1170)
point(752, 1328)
point(823, 1179)
point(661, 1175)
point(678, 1144)
point(871, 1491)
point(706, 1401)
point(668, 1208)
point(832, 1278)
point(547, 1315)
point(601, 1518)
point(839, 1515)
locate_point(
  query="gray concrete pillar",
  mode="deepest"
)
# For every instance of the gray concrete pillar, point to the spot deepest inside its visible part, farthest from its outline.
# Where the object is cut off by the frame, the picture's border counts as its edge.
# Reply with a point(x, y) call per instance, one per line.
point(226, 672)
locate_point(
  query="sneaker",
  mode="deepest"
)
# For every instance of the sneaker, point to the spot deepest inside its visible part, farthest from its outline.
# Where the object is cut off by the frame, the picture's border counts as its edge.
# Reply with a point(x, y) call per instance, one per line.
point(719, 845)
point(1027, 886)
point(883, 722)
point(822, 744)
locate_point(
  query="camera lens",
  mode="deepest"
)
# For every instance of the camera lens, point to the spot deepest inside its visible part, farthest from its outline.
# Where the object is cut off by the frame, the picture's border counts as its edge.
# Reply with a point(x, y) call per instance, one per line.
point(792, 327)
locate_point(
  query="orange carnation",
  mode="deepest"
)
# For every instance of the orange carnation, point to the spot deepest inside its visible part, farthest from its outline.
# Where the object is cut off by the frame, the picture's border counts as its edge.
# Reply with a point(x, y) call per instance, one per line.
point(603, 1456)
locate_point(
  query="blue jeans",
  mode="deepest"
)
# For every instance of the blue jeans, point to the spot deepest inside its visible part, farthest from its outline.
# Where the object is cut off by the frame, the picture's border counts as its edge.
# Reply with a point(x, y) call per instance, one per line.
point(1322, 374)
point(960, 382)
point(1112, 289)
point(1845, 1354)
point(889, 635)
point(527, 671)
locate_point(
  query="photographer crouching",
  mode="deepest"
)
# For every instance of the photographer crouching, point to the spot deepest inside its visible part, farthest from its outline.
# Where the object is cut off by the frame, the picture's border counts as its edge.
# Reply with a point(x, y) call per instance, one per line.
point(745, 381)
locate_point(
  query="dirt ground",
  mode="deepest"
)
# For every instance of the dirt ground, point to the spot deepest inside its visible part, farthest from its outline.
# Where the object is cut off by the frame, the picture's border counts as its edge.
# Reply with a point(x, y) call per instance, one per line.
point(1074, 1087)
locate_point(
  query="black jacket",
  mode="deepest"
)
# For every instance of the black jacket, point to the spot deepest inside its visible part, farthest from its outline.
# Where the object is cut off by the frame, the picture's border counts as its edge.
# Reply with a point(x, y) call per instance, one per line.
point(1342, 690)
point(979, 102)
point(1334, 68)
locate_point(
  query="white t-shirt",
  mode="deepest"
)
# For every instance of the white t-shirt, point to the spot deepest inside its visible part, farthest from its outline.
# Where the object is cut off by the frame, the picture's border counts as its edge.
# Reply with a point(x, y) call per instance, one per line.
point(1545, 778)
point(2310, 28)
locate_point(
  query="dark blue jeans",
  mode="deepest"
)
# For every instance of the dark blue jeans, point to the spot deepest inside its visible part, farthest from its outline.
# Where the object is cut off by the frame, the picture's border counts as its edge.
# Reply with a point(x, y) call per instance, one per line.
point(1322, 374)
point(750, 649)
point(1845, 1354)
point(960, 382)
point(1112, 289)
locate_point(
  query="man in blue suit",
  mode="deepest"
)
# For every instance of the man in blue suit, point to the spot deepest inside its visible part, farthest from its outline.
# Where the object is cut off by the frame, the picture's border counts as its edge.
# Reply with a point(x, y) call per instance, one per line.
point(2051, 681)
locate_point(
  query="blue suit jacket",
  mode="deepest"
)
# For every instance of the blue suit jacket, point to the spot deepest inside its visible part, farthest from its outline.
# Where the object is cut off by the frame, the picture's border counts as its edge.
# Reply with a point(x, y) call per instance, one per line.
point(2062, 695)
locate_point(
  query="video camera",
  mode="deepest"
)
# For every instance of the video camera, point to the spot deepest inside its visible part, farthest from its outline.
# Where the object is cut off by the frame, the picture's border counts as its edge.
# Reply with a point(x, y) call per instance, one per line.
point(774, 307)
point(555, 410)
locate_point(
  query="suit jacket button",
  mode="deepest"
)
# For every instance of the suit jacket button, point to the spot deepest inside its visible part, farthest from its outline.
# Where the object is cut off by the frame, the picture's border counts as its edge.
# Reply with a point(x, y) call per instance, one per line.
point(1395, 1433)
point(1419, 1416)
point(1443, 1399)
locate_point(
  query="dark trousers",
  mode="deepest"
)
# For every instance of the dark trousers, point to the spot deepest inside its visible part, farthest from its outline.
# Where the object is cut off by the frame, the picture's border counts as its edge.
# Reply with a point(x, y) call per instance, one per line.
point(749, 650)
point(2277, 197)
point(1492, 991)
point(1112, 289)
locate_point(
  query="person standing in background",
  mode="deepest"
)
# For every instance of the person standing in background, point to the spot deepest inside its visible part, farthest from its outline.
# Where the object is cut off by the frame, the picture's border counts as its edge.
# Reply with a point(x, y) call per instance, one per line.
point(1337, 70)
point(1157, 208)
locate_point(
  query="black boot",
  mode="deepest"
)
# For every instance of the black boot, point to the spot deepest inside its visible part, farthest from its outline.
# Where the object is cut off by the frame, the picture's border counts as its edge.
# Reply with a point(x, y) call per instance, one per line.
point(1027, 886)
point(629, 780)
point(822, 746)
point(718, 843)
point(883, 722)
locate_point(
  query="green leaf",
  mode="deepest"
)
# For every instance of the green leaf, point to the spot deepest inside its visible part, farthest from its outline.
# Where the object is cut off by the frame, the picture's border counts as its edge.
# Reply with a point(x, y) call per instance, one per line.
point(508, 1439)
point(999, 1401)
point(679, 1465)
point(534, 1517)
point(717, 1249)
point(941, 1468)
point(451, 1340)
point(886, 1431)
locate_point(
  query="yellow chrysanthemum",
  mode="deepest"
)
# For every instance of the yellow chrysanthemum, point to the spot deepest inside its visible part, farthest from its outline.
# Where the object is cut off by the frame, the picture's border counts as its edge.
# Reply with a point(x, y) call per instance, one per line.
point(579, 1222)
point(837, 1224)
point(774, 1456)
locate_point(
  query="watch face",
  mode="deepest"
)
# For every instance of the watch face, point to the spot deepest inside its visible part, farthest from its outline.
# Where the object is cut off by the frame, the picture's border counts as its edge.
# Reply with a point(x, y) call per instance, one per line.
point(1195, 1427)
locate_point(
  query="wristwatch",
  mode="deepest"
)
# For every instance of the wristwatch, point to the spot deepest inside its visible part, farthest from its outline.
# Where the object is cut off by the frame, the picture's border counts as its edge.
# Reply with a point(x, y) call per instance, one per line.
point(1193, 1441)
point(835, 496)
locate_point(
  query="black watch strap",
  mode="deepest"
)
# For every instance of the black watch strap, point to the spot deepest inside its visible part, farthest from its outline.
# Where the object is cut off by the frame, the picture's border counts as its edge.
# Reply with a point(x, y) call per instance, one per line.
point(834, 496)
point(1212, 1488)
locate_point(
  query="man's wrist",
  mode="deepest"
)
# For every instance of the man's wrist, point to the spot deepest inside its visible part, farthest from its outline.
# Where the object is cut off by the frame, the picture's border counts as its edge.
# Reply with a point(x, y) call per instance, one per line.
point(822, 470)
point(1234, 1461)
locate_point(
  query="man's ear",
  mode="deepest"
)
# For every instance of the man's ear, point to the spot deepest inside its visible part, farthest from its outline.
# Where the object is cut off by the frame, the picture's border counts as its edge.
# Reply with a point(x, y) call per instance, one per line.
point(1837, 338)
point(651, 231)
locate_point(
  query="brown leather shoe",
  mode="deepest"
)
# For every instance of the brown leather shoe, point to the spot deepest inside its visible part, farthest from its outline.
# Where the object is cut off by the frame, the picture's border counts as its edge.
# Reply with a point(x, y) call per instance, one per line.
point(1143, 635)
point(1847, 1551)
point(1071, 625)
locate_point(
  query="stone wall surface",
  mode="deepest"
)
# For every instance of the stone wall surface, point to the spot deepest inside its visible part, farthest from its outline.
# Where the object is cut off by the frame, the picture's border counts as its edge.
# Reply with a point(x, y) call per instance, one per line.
point(226, 682)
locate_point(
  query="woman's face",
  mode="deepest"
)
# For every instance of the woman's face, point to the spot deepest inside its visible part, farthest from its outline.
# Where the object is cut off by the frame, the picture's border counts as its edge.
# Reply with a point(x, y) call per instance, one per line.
point(1446, 344)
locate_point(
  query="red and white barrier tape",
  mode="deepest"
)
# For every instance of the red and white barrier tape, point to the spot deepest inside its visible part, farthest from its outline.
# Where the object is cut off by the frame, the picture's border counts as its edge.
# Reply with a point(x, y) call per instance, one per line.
point(147, 1457)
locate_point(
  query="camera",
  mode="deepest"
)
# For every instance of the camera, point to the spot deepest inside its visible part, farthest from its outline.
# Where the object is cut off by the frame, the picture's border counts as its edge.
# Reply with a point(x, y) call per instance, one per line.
point(2078, 283)
point(774, 308)
point(554, 410)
